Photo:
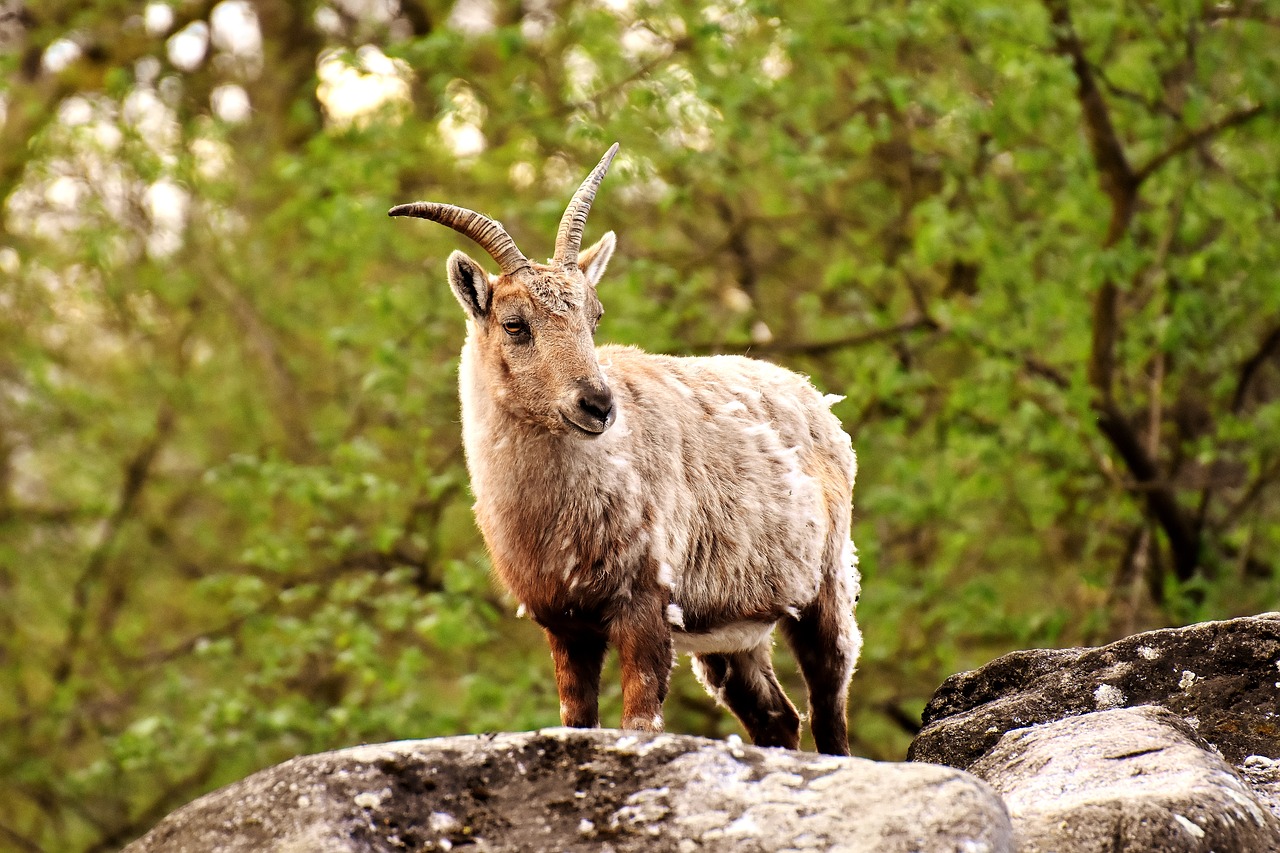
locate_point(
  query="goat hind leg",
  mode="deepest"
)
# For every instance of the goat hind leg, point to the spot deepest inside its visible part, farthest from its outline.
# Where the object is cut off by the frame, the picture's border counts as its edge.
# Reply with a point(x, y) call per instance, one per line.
point(825, 641)
point(745, 683)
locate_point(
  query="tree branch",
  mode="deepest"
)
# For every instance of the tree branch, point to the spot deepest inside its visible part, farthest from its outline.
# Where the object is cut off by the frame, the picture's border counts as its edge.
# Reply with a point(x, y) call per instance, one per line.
point(286, 398)
point(1196, 139)
point(136, 473)
point(1114, 173)
point(1029, 363)
point(175, 794)
point(1269, 476)
point(1117, 180)
point(1184, 540)
point(35, 95)
point(818, 347)
point(20, 842)
point(1121, 184)
point(1266, 350)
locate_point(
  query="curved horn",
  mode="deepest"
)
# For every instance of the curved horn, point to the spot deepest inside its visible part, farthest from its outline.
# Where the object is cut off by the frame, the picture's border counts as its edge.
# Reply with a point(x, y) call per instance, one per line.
point(489, 233)
point(569, 237)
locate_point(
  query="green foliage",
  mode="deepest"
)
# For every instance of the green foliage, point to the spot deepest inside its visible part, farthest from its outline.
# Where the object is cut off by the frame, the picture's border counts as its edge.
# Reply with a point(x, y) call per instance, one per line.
point(234, 519)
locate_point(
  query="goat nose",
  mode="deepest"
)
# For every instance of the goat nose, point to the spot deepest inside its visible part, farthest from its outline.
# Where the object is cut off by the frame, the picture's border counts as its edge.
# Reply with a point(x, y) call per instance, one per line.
point(596, 401)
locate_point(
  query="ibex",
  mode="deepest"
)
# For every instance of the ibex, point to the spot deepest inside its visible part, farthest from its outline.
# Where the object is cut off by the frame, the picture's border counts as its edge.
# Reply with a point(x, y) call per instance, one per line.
point(649, 502)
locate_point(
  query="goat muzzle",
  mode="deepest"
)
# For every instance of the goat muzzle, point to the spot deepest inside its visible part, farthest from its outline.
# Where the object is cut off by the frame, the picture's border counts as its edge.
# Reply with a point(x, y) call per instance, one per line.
point(593, 410)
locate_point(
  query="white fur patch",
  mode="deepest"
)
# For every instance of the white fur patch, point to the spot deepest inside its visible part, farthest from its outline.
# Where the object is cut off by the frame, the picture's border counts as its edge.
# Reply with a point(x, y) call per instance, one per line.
point(849, 557)
point(675, 615)
point(621, 428)
point(685, 390)
point(666, 576)
point(733, 407)
point(798, 483)
point(832, 399)
point(734, 637)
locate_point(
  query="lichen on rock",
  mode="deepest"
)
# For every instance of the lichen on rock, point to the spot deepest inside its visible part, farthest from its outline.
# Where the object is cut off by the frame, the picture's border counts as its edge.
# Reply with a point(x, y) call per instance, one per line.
point(589, 790)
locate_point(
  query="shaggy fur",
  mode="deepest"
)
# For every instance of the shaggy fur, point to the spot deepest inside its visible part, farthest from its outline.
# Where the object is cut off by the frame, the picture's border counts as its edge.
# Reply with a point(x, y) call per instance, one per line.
point(716, 505)
point(657, 504)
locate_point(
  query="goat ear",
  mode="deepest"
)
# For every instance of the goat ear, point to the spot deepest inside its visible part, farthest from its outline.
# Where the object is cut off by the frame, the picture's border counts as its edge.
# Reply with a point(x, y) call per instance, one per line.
point(470, 284)
point(593, 261)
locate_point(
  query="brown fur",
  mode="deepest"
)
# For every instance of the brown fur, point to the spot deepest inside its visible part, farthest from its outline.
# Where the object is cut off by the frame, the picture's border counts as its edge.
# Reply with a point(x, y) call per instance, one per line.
point(657, 504)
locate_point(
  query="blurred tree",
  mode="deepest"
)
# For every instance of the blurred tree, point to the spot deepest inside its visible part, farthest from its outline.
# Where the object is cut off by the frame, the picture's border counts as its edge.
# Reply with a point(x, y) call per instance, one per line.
point(1035, 244)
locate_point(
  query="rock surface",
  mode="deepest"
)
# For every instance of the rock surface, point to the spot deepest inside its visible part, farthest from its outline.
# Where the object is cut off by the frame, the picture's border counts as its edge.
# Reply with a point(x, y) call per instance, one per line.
point(1223, 678)
point(1163, 741)
point(1135, 779)
point(569, 789)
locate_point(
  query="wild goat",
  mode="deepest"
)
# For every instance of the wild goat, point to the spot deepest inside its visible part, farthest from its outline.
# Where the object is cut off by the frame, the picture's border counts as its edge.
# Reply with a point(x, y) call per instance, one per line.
point(651, 502)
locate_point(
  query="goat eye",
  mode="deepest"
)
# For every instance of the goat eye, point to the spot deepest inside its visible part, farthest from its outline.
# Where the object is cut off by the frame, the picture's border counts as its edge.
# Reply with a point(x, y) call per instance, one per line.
point(515, 328)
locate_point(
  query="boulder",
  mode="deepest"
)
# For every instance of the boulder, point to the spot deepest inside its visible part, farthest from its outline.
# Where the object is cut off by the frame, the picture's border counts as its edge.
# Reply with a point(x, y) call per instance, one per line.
point(596, 790)
point(1131, 779)
point(1162, 741)
point(1222, 678)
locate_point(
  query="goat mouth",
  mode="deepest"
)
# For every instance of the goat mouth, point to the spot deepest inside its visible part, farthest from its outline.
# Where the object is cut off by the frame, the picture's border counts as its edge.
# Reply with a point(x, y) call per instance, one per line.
point(588, 430)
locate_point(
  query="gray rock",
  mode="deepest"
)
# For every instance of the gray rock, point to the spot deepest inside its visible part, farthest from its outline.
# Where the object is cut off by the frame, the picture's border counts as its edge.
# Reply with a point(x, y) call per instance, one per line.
point(1263, 774)
point(597, 790)
point(1223, 678)
point(1133, 779)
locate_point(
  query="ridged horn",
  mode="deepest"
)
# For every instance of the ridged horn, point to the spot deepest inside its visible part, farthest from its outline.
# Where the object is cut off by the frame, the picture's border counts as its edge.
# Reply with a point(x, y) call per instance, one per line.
point(489, 233)
point(569, 237)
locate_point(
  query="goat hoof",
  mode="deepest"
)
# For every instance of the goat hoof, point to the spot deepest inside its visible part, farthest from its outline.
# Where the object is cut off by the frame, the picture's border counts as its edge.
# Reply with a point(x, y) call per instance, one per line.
point(643, 724)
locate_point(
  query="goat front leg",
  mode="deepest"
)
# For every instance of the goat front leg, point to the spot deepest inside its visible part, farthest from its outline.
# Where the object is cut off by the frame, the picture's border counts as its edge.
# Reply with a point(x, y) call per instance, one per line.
point(643, 638)
point(578, 657)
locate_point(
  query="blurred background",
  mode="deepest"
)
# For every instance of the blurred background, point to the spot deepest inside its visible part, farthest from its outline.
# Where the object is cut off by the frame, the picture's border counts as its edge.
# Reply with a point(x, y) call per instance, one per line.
point(1035, 243)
